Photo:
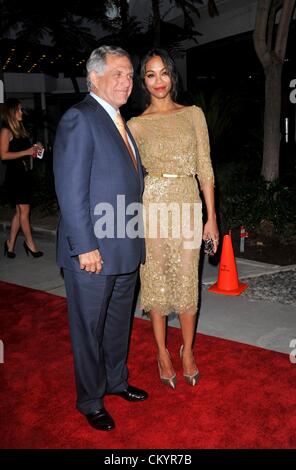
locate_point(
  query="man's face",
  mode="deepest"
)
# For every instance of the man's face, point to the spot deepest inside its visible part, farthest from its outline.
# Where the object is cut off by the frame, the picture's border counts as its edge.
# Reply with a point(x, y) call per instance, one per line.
point(116, 83)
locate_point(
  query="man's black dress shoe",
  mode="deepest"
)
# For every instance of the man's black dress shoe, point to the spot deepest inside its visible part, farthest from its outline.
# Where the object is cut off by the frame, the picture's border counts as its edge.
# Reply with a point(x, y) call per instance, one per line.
point(132, 394)
point(101, 420)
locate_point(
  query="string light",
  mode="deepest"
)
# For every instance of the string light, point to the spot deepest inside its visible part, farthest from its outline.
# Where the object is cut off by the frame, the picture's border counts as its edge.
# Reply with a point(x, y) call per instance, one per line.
point(37, 60)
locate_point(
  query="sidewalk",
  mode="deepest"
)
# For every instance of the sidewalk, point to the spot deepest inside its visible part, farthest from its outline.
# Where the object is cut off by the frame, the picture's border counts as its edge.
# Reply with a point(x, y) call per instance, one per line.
point(264, 315)
point(44, 226)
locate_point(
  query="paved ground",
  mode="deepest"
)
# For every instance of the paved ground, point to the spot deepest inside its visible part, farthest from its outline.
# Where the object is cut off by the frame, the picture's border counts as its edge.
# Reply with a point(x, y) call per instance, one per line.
point(264, 315)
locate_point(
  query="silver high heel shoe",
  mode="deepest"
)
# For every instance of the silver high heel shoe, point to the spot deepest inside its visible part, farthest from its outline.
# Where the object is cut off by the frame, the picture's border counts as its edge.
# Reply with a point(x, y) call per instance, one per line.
point(190, 379)
point(170, 381)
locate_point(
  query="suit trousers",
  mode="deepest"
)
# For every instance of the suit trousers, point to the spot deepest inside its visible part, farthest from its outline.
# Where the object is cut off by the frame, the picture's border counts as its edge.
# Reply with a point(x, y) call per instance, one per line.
point(99, 309)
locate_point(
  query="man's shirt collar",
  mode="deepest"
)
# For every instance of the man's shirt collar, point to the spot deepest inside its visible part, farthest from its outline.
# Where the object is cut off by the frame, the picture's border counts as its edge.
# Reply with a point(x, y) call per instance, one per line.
point(107, 107)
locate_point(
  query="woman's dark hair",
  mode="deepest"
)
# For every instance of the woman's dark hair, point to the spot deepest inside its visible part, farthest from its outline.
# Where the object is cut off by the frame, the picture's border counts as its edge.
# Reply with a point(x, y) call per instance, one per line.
point(169, 64)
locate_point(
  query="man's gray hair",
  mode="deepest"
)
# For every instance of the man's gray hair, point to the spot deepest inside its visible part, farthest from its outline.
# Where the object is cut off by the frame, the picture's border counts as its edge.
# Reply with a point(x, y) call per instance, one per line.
point(97, 60)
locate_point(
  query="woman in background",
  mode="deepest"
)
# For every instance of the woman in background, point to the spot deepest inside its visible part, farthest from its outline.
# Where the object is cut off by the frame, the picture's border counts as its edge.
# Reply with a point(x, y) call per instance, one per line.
point(174, 147)
point(16, 151)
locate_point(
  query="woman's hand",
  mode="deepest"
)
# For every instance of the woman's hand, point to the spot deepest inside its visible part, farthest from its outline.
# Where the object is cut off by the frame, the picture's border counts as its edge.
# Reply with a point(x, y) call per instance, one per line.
point(32, 151)
point(35, 149)
point(211, 231)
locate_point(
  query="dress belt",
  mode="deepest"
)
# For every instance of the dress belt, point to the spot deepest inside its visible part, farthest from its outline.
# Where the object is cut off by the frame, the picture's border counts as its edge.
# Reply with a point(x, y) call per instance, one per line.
point(169, 175)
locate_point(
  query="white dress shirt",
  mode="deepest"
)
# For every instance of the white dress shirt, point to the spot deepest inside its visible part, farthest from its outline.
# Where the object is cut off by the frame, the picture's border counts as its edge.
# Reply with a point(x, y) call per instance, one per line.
point(112, 113)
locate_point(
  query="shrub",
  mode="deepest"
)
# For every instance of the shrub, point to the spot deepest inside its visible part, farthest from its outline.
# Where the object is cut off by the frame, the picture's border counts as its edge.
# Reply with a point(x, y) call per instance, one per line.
point(246, 199)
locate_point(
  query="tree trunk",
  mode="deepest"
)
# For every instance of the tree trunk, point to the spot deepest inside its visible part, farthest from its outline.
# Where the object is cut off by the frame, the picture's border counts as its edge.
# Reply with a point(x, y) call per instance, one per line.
point(270, 43)
point(124, 13)
point(1, 63)
point(1, 68)
point(156, 23)
point(272, 113)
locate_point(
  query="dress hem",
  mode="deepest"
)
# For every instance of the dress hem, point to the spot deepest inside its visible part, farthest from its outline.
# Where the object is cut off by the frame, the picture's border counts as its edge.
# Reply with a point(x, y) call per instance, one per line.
point(165, 312)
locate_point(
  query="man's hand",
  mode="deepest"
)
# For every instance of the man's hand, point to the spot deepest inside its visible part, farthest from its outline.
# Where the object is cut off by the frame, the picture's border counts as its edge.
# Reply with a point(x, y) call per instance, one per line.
point(91, 262)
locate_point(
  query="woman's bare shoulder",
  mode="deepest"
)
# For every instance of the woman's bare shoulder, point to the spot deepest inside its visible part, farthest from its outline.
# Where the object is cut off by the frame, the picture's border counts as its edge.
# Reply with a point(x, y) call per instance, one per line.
point(5, 132)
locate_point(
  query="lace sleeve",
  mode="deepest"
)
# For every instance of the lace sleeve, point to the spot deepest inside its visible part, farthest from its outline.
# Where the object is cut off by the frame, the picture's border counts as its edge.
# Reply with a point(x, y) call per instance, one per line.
point(204, 167)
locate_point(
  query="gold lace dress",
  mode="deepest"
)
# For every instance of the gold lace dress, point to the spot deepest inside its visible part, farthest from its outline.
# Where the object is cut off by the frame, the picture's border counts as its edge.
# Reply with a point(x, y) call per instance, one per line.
point(174, 144)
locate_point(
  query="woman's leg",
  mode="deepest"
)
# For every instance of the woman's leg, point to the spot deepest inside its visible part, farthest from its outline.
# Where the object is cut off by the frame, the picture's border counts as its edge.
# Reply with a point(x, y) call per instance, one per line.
point(159, 330)
point(188, 327)
point(25, 225)
point(14, 229)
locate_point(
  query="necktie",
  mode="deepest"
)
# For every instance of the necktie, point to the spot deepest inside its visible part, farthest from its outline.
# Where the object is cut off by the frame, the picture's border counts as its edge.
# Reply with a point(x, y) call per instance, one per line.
point(119, 122)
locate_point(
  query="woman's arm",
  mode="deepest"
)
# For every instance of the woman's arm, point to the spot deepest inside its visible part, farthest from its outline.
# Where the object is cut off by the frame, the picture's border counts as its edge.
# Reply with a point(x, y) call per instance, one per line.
point(206, 176)
point(5, 136)
point(210, 228)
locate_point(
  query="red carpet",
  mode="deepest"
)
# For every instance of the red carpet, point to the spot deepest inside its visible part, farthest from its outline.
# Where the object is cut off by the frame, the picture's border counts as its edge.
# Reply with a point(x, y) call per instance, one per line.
point(246, 396)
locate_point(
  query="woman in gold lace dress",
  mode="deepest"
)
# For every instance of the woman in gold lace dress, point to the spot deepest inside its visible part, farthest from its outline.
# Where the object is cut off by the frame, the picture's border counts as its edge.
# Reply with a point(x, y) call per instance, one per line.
point(174, 146)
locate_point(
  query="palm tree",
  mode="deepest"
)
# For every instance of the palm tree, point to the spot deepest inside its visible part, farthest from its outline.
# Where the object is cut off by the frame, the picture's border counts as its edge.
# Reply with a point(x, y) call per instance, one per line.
point(63, 27)
point(120, 26)
point(177, 34)
point(66, 27)
point(129, 31)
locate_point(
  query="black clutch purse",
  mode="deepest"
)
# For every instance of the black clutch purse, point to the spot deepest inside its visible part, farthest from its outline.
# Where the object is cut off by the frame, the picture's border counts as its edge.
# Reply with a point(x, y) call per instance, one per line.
point(209, 247)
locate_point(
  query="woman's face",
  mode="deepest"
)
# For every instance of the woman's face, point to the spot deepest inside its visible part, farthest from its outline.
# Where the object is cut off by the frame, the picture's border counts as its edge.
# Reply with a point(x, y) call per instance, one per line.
point(157, 79)
point(19, 113)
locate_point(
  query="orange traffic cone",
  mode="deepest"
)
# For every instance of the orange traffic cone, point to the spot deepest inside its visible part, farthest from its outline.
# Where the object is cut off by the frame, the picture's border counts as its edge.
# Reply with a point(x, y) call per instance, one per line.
point(228, 283)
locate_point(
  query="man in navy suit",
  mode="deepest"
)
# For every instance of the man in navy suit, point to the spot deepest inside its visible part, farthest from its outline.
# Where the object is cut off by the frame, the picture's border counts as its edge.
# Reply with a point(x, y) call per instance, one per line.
point(93, 167)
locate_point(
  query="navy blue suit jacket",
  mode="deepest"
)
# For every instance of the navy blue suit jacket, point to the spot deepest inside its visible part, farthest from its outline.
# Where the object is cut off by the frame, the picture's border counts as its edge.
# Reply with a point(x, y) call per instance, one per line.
point(92, 166)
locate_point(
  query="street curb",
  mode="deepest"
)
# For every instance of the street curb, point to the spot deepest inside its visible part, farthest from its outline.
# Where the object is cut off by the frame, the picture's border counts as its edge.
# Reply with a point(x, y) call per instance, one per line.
point(267, 269)
point(41, 233)
point(289, 267)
